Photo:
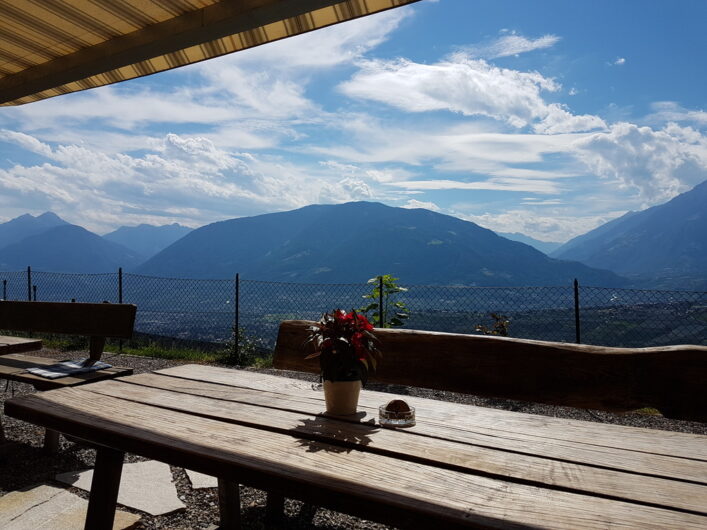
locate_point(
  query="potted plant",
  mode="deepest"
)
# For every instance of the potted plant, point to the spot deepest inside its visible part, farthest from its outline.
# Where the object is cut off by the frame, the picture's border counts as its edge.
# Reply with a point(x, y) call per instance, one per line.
point(347, 351)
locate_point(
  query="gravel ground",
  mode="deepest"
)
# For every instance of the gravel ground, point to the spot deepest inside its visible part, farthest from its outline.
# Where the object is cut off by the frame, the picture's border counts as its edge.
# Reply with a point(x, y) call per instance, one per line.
point(23, 463)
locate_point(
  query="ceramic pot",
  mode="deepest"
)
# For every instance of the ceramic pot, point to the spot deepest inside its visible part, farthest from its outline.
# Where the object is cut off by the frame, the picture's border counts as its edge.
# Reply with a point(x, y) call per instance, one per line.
point(341, 397)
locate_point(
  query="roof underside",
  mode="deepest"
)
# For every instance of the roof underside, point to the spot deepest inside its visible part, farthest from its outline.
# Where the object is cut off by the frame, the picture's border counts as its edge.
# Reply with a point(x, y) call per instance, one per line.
point(53, 47)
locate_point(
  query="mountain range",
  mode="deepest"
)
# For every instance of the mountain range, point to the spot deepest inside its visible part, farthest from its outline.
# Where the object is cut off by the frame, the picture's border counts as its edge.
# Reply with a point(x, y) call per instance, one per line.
point(48, 243)
point(354, 241)
point(664, 246)
point(661, 247)
point(147, 240)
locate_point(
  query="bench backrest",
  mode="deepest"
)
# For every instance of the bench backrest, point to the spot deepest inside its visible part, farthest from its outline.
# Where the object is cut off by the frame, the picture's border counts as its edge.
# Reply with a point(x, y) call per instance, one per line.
point(96, 321)
point(671, 379)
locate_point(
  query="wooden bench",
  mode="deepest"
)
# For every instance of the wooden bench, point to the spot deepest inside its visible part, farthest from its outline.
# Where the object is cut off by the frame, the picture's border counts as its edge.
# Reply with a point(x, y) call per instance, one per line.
point(671, 379)
point(96, 321)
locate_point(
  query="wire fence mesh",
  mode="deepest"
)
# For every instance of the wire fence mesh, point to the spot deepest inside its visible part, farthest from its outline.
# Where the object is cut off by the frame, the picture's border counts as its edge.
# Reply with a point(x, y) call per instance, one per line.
point(207, 310)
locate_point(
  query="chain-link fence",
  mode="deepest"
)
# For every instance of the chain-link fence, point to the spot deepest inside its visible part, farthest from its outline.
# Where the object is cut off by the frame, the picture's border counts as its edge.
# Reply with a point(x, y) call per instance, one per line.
point(208, 310)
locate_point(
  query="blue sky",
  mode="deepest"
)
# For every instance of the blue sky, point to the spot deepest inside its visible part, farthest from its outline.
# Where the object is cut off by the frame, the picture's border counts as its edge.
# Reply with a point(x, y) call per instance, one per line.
point(546, 118)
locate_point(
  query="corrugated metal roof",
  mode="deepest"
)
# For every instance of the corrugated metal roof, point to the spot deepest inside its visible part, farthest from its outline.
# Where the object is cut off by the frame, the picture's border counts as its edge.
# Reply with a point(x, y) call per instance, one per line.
point(53, 47)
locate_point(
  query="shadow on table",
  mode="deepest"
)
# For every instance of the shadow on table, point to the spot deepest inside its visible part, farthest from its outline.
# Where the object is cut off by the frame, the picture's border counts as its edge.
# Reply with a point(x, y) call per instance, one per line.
point(323, 433)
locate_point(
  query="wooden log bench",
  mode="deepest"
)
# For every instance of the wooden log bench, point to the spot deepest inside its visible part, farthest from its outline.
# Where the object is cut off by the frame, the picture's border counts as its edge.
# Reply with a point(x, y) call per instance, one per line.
point(96, 321)
point(668, 378)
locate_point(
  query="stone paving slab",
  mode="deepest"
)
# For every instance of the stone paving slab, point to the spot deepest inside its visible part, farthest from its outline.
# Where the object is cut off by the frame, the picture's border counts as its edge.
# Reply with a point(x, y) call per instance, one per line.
point(199, 480)
point(145, 486)
point(47, 507)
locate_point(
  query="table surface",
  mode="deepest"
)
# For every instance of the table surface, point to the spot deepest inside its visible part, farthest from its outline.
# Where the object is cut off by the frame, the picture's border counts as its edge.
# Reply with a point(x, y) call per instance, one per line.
point(460, 465)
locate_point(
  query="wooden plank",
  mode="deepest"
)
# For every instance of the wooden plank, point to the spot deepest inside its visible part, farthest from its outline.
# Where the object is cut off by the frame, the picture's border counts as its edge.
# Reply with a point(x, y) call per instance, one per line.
point(102, 320)
point(527, 428)
point(14, 367)
point(279, 462)
point(9, 344)
point(669, 378)
point(405, 444)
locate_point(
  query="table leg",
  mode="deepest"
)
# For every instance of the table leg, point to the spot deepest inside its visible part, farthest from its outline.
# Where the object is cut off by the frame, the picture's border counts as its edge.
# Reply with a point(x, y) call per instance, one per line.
point(229, 505)
point(275, 506)
point(51, 441)
point(104, 489)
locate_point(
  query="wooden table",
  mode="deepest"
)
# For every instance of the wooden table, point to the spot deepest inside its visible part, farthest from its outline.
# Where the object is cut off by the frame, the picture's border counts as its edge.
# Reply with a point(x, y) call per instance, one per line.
point(460, 466)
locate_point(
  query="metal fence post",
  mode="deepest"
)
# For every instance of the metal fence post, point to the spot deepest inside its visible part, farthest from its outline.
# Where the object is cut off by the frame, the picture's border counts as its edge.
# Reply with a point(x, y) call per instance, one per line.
point(120, 301)
point(29, 283)
point(34, 293)
point(576, 312)
point(120, 285)
point(381, 315)
point(236, 319)
point(4, 289)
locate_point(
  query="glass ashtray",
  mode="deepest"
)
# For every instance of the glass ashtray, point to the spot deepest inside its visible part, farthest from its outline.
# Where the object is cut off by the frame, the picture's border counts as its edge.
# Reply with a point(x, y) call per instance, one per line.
point(394, 417)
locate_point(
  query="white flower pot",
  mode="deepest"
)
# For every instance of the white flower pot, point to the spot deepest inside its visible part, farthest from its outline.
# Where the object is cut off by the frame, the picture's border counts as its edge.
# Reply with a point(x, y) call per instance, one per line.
point(341, 397)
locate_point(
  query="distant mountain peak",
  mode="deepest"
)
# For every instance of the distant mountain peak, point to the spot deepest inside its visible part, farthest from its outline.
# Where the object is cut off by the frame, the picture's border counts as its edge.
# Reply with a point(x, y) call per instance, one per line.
point(300, 245)
point(27, 225)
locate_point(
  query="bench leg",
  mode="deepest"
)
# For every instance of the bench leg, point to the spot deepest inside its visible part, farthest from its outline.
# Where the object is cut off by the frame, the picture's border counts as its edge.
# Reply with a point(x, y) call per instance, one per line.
point(104, 489)
point(229, 505)
point(51, 441)
point(275, 506)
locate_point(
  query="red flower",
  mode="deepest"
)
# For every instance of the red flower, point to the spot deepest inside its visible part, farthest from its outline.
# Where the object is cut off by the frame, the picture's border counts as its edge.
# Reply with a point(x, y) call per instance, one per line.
point(343, 340)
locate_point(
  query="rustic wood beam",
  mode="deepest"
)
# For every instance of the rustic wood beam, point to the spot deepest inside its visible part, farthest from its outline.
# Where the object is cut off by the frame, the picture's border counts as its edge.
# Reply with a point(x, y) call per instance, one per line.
point(668, 378)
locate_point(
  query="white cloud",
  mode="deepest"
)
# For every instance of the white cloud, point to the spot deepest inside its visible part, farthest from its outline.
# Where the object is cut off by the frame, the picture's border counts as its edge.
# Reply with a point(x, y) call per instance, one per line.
point(619, 61)
point(414, 203)
point(162, 185)
point(26, 141)
point(471, 87)
point(657, 165)
point(499, 184)
point(345, 190)
point(324, 48)
point(512, 44)
point(667, 111)
point(551, 226)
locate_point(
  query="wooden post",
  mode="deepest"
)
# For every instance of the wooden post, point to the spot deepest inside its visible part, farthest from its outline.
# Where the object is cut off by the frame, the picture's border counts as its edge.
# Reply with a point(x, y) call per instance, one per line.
point(104, 489)
point(229, 505)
